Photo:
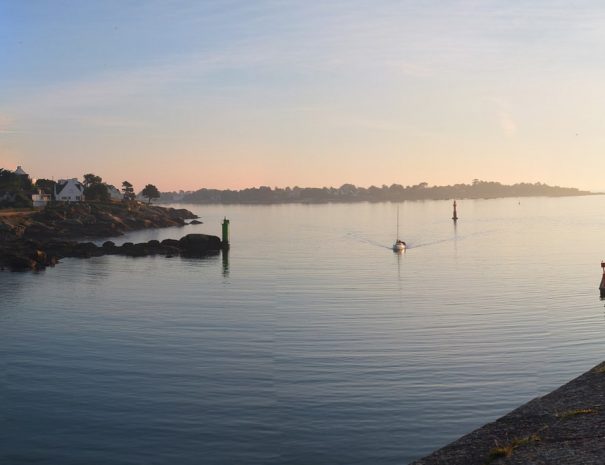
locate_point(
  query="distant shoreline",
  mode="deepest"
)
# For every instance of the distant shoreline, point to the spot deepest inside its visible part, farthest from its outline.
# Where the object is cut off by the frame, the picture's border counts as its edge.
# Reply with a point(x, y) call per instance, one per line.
point(325, 202)
point(349, 193)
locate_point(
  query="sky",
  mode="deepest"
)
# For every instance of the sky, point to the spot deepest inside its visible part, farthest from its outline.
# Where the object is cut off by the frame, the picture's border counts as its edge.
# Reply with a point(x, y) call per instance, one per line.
point(233, 94)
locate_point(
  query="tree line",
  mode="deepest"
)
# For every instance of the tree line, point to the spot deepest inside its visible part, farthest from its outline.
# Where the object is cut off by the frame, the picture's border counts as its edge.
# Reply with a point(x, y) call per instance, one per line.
point(96, 190)
point(16, 189)
point(478, 189)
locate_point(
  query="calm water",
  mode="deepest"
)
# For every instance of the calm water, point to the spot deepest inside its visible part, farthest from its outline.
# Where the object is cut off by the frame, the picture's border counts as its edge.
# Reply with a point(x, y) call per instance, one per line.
point(311, 343)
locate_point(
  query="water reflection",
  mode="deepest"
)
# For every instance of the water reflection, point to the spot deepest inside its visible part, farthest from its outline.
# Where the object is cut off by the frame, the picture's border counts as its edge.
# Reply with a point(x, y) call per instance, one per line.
point(226, 263)
point(399, 255)
point(455, 237)
point(325, 342)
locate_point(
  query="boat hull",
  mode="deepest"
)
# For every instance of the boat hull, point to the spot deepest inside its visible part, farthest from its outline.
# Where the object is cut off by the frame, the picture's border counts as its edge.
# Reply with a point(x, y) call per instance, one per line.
point(398, 247)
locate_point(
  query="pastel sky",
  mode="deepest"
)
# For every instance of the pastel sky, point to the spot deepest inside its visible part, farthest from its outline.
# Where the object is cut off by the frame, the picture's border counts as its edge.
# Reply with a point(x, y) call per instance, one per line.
point(232, 94)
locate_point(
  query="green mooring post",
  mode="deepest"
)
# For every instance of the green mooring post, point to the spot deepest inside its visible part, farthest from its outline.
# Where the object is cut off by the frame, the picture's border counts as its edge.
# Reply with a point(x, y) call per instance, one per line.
point(225, 232)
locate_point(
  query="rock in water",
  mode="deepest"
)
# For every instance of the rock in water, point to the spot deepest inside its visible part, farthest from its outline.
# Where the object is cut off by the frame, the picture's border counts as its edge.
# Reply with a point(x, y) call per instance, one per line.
point(18, 261)
point(199, 244)
point(171, 243)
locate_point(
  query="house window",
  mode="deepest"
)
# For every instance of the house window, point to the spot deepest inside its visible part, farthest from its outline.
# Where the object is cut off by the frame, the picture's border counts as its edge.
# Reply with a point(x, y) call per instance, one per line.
point(78, 197)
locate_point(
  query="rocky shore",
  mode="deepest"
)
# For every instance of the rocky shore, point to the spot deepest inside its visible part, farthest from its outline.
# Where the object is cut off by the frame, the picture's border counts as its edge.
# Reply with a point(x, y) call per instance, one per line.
point(564, 427)
point(41, 239)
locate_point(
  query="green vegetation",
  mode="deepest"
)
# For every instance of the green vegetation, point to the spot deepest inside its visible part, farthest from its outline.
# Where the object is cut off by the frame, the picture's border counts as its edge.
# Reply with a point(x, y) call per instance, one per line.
point(9, 180)
point(47, 186)
point(350, 193)
point(128, 191)
point(150, 192)
point(91, 179)
point(95, 190)
point(15, 190)
point(97, 193)
point(507, 449)
point(575, 412)
point(501, 451)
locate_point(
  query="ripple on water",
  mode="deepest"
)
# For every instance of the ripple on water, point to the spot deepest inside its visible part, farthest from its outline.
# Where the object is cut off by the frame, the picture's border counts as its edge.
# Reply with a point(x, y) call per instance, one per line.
point(311, 343)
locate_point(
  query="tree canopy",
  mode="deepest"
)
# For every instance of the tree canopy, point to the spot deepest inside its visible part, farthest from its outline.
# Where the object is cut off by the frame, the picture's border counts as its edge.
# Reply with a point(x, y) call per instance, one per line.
point(95, 189)
point(128, 191)
point(150, 192)
point(15, 189)
point(12, 182)
point(91, 179)
point(478, 189)
point(46, 185)
point(97, 192)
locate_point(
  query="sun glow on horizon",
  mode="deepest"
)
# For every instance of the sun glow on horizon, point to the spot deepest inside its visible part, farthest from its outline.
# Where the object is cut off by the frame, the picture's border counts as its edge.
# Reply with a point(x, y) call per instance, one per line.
point(236, 96)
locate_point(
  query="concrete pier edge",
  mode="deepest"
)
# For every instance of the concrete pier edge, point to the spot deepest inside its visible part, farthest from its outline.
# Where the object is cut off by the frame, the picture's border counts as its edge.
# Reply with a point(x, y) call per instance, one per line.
point(564, 427)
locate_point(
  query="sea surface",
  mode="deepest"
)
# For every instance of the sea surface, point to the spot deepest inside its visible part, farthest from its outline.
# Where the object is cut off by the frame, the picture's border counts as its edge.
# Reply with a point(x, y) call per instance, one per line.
point(310, 343)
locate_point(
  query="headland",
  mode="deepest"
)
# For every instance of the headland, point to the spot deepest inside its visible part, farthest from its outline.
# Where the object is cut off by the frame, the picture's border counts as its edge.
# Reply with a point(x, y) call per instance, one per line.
point(36, 239)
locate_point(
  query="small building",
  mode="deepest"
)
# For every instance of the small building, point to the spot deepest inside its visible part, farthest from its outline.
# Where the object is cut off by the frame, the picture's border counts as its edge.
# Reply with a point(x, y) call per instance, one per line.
point(115, 193)
point(20, 171)
point(69, 190)
point(41, 199)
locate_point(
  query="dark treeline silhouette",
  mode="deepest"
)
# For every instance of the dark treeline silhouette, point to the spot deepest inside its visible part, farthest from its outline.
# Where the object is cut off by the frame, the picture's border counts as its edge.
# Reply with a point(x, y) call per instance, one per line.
point(350, 193)
point(15, 189)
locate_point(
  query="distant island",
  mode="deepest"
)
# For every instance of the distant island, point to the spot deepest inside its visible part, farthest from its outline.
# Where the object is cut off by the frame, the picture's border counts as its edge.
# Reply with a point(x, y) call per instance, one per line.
point(348, 193)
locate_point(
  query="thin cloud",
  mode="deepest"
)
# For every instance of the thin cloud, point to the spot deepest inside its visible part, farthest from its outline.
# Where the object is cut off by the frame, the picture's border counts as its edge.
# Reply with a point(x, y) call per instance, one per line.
point(114, 87)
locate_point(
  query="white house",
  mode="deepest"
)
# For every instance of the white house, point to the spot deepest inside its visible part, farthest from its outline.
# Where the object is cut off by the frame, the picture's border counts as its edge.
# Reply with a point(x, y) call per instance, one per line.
point(69, 190)
point(115, 193)
point(40, 199)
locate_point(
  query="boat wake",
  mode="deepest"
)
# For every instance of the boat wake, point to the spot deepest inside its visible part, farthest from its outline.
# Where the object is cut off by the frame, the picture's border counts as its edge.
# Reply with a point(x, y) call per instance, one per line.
point(415, 245)
point(454, 238)
point(364, 240)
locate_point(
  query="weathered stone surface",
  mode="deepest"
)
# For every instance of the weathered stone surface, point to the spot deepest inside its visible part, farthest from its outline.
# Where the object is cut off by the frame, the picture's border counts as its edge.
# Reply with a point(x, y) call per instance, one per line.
point(26, 257)
point(18, 262)
point(41, 239)
point(565, 427)
point(136, 250)
point(79, 220)
point(86, 250)
point(199, 244)
point(171, 243)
